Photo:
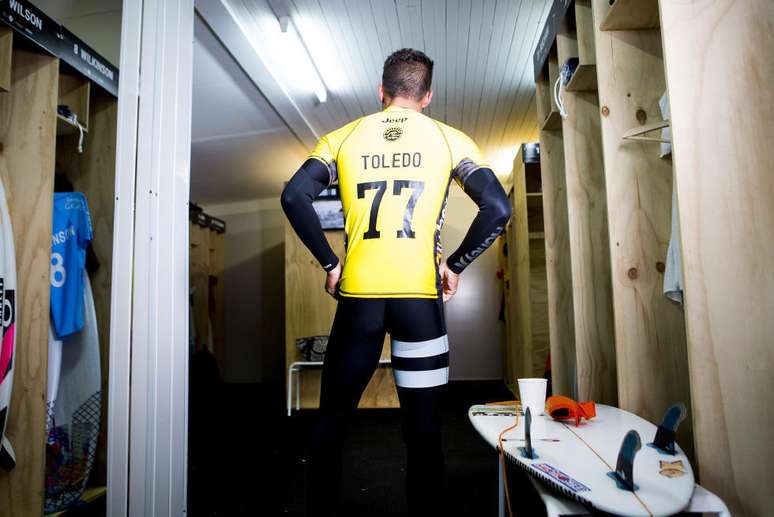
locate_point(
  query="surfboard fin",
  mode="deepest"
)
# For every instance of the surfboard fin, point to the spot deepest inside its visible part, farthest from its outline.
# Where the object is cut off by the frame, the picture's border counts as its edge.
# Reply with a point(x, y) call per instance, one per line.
point(624, 468)
point(7, 456)
point(527, 451)
point(667, 431)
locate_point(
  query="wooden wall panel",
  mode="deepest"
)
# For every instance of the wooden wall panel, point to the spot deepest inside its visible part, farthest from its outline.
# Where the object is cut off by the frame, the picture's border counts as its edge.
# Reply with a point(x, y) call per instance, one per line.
point(504, 266)
point(584, 23)
point(199, 268)
point(566, 42)
point(543, 99)
point(538, 299)
point(75, 92)
point(553, 75)
point(93, 173)
point(630, 14)
point(527, 305)
point(590, 250)
point(588, 236)
point(519, 267)
point(548, 111)
point(558, 274)
point(217, 294)
point(309, 311)
point(6, 53)
point(651, 353)
point(27, 134)
point(722, 109)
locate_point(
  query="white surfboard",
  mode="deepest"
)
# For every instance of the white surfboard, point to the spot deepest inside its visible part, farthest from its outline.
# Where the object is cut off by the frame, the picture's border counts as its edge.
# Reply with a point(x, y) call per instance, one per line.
point(72, 440)
point(8, 303)
point(577, 461)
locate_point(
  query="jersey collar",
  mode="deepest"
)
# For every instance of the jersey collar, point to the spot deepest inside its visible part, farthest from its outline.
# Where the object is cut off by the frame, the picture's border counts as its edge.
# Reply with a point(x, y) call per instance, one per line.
point(397, 108)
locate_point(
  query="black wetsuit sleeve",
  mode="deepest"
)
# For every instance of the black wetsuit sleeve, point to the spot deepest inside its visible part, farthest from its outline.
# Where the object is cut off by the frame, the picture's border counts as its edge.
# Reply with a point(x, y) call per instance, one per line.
point(306, 184)
point(494, 211)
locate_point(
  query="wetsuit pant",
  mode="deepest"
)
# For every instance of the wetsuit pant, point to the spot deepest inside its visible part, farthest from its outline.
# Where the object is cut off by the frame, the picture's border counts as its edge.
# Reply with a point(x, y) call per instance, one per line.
point(420, 362)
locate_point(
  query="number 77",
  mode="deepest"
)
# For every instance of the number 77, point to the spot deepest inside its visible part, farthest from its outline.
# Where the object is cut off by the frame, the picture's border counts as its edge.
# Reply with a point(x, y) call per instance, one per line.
point(406, 232)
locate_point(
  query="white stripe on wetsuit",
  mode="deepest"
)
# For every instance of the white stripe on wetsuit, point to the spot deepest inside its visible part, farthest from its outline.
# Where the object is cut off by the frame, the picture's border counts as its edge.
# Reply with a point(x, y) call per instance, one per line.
point(420, 350)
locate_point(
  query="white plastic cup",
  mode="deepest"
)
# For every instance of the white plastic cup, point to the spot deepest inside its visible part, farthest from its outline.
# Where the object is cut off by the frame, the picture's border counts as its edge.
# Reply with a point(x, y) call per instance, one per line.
point(533, 395)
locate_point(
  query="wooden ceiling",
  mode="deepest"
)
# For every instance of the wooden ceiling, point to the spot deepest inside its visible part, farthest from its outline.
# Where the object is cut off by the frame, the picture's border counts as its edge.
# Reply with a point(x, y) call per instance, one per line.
point(482, 49)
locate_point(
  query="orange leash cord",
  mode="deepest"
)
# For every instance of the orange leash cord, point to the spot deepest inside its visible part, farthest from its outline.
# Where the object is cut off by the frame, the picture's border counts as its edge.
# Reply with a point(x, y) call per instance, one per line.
point(502, 450)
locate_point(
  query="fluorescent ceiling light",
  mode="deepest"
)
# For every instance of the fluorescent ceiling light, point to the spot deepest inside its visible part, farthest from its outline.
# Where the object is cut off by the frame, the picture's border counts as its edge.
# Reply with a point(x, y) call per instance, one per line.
point(324, 52)
point(502, 161)
point(299, 59)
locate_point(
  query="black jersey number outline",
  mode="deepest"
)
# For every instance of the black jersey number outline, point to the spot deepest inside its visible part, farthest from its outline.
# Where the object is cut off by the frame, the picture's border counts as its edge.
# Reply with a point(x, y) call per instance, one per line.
point(418, 186)
point(407, 231)
point(381, 186)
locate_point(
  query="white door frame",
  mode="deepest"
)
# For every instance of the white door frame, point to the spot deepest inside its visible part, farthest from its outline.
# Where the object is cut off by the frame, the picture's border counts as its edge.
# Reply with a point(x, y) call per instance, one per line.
point(148, 395)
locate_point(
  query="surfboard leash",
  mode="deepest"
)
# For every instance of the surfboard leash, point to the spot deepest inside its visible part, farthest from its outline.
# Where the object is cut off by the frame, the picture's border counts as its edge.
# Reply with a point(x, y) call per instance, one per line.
point(500, 438)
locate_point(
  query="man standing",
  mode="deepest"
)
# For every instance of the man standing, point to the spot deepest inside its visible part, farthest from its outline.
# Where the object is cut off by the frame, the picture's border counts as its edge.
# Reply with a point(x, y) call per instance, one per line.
point(393, 169)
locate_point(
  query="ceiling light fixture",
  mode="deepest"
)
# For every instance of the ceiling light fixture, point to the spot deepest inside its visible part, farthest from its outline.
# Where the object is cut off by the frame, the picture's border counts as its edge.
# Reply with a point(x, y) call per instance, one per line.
point(295, 50)
point(501, 161)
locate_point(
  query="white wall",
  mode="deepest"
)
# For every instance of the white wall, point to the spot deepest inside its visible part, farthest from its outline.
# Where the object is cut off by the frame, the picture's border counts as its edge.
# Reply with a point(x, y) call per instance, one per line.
point(254, 281)
point(254, 290)
point(475, 333)
point(97, 22)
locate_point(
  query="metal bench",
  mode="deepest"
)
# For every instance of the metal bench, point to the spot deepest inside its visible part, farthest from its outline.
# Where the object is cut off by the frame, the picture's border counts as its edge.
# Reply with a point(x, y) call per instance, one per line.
point(295, 370)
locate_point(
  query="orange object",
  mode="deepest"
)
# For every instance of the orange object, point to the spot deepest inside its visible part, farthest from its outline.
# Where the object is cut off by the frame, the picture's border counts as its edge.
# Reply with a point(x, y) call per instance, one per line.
point(564, 408)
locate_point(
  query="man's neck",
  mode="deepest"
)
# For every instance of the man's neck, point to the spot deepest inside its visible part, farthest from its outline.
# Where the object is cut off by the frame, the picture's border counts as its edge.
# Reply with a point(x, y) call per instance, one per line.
point(402, 102)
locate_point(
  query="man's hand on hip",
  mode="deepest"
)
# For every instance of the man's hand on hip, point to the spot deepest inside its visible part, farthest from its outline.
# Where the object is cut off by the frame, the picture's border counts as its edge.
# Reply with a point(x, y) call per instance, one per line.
point(332, 281)
point(449, 281)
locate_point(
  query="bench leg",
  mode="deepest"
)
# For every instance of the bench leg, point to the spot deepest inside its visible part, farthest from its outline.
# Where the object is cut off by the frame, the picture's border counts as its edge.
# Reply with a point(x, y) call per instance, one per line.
point(298, 390)
point(290, 389)
point(500, 489)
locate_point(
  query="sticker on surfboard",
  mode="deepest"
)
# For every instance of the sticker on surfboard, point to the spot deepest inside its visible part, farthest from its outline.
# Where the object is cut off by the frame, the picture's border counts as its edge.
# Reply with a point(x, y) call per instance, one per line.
point(671, 469)
point(561, 477)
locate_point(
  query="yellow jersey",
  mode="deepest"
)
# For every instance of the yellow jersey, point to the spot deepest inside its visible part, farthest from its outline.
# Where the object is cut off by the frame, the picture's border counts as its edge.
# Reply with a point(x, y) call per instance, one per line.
point(394, 169)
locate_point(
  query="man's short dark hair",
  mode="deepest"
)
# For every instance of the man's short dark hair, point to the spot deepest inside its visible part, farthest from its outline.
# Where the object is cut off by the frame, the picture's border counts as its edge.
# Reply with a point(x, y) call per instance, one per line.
point(407, 73)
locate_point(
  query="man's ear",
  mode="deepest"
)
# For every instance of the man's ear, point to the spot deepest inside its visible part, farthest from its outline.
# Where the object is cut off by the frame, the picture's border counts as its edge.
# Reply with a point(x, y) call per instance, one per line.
point(426, 99)
point(381, 94)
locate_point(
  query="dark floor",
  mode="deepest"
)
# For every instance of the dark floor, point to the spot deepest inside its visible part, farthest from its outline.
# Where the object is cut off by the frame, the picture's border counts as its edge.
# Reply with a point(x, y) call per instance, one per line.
point(252, 461)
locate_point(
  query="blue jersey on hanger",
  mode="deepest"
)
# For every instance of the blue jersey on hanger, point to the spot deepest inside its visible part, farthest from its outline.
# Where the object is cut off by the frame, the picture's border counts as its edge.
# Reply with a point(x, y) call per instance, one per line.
point(69, 239)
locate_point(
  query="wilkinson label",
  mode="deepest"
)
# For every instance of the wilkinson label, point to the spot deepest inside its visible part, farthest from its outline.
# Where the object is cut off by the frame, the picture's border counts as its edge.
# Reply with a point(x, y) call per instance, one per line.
point(561, 477)
point(84, 59)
